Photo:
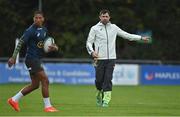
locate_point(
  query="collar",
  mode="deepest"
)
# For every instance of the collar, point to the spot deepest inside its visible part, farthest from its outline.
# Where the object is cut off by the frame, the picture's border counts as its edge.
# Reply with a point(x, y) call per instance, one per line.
point(101, 24)
point(37, 27)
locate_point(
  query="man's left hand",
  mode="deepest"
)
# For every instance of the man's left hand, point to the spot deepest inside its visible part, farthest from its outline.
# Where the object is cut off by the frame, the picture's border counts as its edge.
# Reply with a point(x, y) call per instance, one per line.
point(145, 38)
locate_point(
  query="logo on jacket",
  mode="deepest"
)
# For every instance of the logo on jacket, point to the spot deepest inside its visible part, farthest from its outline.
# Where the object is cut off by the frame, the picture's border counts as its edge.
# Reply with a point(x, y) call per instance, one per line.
point(40, 44)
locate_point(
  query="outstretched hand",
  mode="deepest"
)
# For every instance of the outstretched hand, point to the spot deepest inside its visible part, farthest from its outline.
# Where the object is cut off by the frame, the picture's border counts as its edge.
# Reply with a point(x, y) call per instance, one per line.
point(11, 62)
point(145, 38)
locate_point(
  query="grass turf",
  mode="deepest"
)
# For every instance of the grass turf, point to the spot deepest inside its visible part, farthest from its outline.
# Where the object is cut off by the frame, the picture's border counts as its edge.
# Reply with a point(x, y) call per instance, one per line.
point(79, 100)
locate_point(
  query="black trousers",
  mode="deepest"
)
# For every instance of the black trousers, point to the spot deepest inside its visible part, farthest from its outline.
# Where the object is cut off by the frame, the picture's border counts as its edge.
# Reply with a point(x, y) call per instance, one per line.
point(104, 74)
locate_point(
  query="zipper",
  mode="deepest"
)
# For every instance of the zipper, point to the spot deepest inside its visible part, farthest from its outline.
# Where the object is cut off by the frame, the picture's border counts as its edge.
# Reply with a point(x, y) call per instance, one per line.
point(107, 42)
point(98, 51)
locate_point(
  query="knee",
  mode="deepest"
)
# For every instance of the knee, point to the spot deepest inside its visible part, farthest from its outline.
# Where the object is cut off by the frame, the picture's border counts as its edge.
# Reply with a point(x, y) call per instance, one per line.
point(35, 86)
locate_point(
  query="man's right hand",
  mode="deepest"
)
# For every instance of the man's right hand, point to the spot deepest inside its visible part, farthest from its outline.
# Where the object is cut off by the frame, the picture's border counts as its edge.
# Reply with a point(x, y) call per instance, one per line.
point(94, 55)
point(11, 62)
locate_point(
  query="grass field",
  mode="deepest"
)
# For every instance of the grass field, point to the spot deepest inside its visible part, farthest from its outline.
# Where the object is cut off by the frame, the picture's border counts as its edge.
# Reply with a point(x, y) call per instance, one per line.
point(79, 100)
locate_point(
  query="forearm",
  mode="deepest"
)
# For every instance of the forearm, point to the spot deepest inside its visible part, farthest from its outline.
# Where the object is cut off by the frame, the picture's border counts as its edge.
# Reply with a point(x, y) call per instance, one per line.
point(90, 41)
point(89, 48)
point(18, 48)
point(131, 37)
point(126, 35)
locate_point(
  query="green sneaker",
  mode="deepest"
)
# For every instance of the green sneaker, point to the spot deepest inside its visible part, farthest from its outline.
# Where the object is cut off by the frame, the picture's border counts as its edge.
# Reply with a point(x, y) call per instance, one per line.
point(99, 98)
point(106, 99)
point(105, 104)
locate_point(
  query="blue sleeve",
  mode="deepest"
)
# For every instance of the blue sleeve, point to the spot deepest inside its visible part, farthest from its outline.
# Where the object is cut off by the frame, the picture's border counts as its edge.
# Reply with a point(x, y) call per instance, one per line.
point(26, 36)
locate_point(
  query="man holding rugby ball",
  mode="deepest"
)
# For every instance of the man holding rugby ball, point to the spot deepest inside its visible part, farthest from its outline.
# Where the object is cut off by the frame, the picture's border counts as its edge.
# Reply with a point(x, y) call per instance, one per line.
point(34, 38)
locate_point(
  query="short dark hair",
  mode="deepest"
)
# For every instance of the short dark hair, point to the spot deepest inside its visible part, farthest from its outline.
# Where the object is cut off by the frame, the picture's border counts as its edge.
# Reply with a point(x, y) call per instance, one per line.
point(38, 12)
point(104, 11)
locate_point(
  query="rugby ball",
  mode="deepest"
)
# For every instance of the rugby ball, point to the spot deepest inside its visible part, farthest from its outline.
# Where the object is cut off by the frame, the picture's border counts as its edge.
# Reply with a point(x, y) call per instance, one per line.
point(48, 42)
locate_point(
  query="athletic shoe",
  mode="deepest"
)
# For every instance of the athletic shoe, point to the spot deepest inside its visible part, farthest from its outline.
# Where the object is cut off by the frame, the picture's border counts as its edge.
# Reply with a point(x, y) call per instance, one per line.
point(106, 98)
point(14, 104)
point(104, 104)
point(99, 98)
point(50, 109)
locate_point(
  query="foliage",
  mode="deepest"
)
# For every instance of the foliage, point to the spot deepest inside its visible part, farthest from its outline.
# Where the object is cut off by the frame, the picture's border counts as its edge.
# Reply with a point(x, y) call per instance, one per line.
point(69, 22)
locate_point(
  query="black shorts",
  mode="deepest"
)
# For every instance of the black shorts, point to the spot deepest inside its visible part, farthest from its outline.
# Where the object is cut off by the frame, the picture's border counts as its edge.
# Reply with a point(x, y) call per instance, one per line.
point(33, 65)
